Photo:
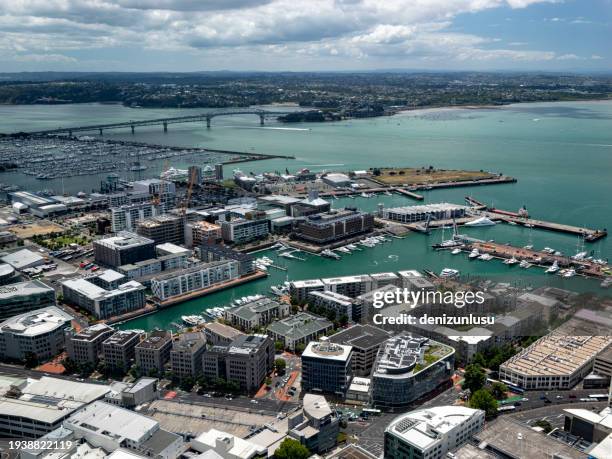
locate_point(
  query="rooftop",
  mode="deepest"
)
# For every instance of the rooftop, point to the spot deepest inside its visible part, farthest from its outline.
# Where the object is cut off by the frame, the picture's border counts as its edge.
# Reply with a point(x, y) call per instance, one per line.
point(93, 292)
point(557, 354)
point(230, 445)
point(249, 310)
point(316, 406)
point(22, 258)
point(36, 322)
point(223, 330)
point(124, 240)
point(245, 344)
point(436, 207)
point(155, 340)
point(327, 350)
point(114, 422)
point(23, 289)
point(299, 325)
point(422, 428)
point(361, 336)
point(92, 332)
point(121, 337)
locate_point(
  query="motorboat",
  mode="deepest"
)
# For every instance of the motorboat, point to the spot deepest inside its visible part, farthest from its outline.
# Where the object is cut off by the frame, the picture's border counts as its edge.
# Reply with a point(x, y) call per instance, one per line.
point(456, 251)
point(548, 250)
point(568, 272)
point(511, 261)
point(580, 256)
point(449, 273)
point(329, 254)
point(485, 257)
point(482, 221)
point(193, 320)
point(553, 268)
point(343, 250)
point(525, 264)
point(528, 247)
point(474, 254)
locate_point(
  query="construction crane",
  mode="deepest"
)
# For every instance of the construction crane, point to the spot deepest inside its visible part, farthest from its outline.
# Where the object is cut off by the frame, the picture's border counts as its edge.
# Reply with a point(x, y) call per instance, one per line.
point(192, 180)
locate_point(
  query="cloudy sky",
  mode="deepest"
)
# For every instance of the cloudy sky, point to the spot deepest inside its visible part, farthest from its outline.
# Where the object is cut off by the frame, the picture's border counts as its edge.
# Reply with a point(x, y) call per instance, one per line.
point(198, 35)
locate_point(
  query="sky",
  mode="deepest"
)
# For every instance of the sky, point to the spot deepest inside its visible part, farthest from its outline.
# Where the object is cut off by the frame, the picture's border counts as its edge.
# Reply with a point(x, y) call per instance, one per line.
point(305, 35)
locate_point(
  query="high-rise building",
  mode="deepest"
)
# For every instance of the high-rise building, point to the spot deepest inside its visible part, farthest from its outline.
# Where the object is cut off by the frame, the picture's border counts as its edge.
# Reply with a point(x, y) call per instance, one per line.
point(85, 346)
point(118, 350)
point(123, 249)
point(186, 355)
point(153, 352)
point(125, 218)
point(39, 333)
point(326, 367)
point(323, 228)
point(241, 230)
point(26, 296)
point(163, 228)
point(366, 341)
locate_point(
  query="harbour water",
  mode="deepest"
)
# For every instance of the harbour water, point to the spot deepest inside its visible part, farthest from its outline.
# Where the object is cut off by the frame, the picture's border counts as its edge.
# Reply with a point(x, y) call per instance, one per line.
point(561, 154)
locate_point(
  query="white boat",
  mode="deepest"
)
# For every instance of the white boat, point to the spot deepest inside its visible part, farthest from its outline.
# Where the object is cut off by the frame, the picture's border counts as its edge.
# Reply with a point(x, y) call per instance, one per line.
point(456, 251)
point(329, 254)
point(482, 221)
point(193, 320)
point(548, 250)
point(558, 254)
point(568, 273)
point(388, 193)
point(528, 247)
point(450, 243)
point(352, 247)
point(449, 272)
point(511, 261)
point(474, 254)
point(485, 257)
point(512, 223)
point(343, 250)
point(525, 264)
point(553, 268)
point(580, 256)
point(527, 225)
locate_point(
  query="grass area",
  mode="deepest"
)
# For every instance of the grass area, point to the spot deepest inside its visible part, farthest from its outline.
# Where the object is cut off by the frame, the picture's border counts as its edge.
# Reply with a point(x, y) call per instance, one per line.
point(63, 240)
point(432, 355)
point(419, 176)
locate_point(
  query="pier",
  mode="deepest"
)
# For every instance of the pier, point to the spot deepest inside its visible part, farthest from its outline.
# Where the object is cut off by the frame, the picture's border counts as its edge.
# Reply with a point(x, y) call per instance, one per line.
point(410, 194)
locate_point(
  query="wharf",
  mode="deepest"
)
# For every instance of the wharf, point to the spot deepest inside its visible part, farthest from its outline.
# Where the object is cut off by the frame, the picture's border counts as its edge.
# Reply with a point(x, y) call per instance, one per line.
point(585, 268)
point(590, 235)
point(410, 194)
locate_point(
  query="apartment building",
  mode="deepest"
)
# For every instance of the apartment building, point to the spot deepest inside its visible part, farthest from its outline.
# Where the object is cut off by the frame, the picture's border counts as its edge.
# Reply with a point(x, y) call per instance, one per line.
point(186, 355)
point(152, 353)
point(118, 350)
point(85, 346)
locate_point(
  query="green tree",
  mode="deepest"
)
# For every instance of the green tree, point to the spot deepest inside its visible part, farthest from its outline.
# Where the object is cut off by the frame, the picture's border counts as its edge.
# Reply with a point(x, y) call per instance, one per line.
point(483, 400)
point(268, 381)
point(498, 390)
point(291, 449)
point(475, 378)
point(299, 348)
point(278, 346)
point(280, 365)
point(547, 426)
point(31, 360)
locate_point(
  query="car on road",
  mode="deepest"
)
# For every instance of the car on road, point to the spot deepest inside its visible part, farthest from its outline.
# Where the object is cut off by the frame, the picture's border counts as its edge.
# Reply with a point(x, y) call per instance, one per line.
point(255, 402)
point(559, 397)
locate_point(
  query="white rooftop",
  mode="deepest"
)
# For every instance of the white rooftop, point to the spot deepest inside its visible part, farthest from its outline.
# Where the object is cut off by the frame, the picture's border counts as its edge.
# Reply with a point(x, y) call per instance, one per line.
point(327, 350)
point(417, 427)
point(111, 275)
point(227, 445)
point(22, 259)
point(316, 406)
point(113, 421)
point(36, 322)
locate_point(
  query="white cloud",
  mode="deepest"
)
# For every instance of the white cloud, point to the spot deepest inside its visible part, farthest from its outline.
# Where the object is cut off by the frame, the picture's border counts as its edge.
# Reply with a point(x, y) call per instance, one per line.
point(242, 31)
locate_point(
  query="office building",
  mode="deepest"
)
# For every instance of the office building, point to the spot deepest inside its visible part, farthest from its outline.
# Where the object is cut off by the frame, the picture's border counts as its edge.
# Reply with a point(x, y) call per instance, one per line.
point(351, 286)
point(110, 427)
point(218, 252)
point(125, 218)
point(26, 296)
point(163, 228)
point(193, 280)
point(407, 368)
point(23, 259)
point(241, 230)
point(186, 355)
point(340, 305)
point(152, 353)
point(8, 275)
point(299, 329)
point(311, 205)
point(431, 432)
point(220, 334)
point(246, 361)
point(31, 408)
point(603, 363)
point(85, 346)
point(257, 313)
point(39, 333)
point(326, 367)
point(555, 361)
point(411, 214)
point(365, 341)
point(118, 350)
point(592, 426)
point(317, 425)
point(334, 225)
point(176, 258)
point(102, 303)
point(123, 249)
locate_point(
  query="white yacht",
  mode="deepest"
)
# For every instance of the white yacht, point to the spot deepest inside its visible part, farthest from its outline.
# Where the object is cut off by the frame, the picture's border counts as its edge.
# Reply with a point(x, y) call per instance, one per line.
point(553, 268)
point(511, 261)
point(329, 254)
point(528, 247)
point(482, 221)
point(456, 251)
point(525, 264)
point(568, 272)
point(485, 257)
point(474, 254)
point(580, 256)
point(449, 272)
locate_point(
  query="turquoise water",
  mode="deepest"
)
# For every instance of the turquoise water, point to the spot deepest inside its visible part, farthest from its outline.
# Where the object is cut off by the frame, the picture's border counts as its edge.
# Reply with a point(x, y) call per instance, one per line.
point(561, 154)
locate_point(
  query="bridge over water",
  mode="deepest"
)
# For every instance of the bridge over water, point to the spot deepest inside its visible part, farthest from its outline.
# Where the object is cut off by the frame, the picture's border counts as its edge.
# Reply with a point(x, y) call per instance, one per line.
point(262, 114)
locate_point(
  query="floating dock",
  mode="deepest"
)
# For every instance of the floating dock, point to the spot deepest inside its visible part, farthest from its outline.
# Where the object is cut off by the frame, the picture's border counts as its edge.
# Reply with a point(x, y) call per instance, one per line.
point(410, 194)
